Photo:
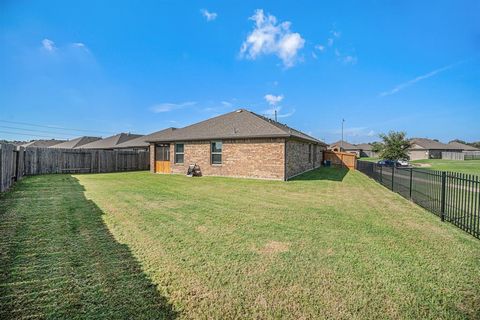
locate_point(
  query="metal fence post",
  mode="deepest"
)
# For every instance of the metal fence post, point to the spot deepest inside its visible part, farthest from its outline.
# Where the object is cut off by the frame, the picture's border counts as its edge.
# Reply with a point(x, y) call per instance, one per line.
point(444, 186)
point(393, 175)
point(381, 174)
point(411, 182)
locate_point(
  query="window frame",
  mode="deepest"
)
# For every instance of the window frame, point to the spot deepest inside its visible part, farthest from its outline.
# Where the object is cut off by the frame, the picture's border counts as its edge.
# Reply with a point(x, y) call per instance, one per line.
point(175, 152)
point(310, 153)
point(212, 153)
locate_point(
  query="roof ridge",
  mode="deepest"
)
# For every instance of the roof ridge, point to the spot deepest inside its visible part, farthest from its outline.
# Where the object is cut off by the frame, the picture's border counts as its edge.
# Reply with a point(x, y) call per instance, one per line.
point(275, 123)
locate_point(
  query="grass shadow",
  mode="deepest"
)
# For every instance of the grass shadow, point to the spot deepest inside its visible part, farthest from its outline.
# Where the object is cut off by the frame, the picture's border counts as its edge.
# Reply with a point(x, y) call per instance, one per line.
point(323, 173)
point(59, 260)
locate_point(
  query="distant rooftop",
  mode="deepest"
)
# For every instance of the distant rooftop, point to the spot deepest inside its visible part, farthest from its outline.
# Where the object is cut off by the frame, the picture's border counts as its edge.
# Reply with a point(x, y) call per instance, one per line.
point(74, 143)
point(110, 142)
point(42, 143)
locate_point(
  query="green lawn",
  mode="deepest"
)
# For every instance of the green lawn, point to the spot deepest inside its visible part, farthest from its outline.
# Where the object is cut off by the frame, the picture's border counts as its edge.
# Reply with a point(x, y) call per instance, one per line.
point(467, 166)
point(369, 159)
point(330, 244)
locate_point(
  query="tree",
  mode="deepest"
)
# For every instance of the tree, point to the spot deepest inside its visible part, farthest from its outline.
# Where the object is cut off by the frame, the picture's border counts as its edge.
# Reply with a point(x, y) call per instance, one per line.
point(394, 145)
point(377, 147)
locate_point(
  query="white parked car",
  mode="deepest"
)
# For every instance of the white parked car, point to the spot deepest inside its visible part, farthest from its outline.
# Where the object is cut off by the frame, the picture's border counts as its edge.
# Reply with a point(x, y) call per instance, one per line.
point(402, 163)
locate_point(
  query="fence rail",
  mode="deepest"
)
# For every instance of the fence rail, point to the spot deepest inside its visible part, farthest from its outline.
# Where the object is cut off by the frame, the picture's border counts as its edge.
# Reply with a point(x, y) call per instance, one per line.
point(454, 197)
point(16, 162)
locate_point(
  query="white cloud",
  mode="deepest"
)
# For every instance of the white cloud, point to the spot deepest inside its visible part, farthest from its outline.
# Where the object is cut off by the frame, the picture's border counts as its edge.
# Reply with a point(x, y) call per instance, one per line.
point(330, 42)
point(349, 59)
point(210, 16)
point(227, 104)
point(273, 100)
point(336, 34)
point(166, 107)
point(320, 47)
point(271, 112)
point(417, 79)
point(48, 45)
point(270, 37)
point(78, 45)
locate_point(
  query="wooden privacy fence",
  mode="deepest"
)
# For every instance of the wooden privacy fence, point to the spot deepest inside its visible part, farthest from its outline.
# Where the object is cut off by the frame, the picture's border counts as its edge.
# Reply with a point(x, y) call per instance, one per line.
point(11, 165)
point(454, 197)
point(472, 155)
point(345, 159)
point(16, 162)
point(453, 156)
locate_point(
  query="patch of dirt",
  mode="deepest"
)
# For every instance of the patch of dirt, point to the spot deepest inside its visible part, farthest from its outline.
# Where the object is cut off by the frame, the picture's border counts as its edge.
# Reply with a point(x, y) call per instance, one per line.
point(202, 229)
point(422, 165)
point(274, 247)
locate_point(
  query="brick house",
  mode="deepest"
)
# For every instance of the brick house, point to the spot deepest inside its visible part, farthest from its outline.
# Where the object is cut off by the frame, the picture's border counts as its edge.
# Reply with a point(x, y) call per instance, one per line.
point(237, 144)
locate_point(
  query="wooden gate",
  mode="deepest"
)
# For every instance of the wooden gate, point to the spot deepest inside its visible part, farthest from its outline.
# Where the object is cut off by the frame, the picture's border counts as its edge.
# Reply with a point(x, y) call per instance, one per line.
point(162, 158)
point(344, 159)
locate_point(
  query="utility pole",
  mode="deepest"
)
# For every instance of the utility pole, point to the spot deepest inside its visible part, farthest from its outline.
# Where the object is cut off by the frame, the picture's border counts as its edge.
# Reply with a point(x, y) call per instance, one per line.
point(341, 141)
point(276, 115)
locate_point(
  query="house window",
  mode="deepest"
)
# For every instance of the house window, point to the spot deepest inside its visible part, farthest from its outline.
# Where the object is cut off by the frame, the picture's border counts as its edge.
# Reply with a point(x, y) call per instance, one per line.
point(216, 152)
point(309, 153)
point(179, 152)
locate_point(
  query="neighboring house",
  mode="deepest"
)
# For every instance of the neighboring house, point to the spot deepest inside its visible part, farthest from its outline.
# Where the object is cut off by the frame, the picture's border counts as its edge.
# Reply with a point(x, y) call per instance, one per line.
point(42, 143)
point(110, 142)
point(237, 144)
point(345, 147)
point(366, 150)
point(141, 143)
point(75, 143)
point(422, 148)
point(462, 147)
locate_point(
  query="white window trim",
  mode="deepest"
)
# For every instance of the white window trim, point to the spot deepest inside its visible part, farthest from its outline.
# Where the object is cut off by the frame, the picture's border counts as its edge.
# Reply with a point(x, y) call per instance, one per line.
point(212, 153)
point(175, 153)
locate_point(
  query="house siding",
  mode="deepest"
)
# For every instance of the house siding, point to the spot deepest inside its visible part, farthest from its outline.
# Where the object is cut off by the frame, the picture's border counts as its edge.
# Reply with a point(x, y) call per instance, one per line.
point(297, 159)
point(252, 158)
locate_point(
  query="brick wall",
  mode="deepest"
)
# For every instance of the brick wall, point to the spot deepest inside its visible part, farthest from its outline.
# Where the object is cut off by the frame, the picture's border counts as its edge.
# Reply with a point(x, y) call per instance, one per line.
point(297, 160)
point(254, 158)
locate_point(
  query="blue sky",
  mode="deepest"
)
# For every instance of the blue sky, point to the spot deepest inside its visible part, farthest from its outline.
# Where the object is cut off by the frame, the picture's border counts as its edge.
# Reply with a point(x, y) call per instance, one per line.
point(381, 65)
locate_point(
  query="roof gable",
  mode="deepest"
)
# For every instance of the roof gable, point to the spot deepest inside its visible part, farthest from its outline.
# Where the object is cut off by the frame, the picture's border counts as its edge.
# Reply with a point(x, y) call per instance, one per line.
point(109, 142)
point(346, 145)
point(238, 124)
point(429, 144)
point(461, 146)
point(142, 142)
point(75, 142)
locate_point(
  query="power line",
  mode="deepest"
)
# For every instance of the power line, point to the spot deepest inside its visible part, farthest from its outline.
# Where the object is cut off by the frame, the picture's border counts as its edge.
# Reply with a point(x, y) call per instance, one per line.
point(31, 135)
point(41, 131)
point(55, 127)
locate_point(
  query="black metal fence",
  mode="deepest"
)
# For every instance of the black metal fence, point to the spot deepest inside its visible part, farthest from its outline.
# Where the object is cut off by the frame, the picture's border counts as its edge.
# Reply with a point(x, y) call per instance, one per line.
point(454, 197)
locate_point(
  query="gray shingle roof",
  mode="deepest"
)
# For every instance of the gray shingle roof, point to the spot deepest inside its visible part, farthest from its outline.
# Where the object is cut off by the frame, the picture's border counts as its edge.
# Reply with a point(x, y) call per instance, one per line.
point(42, 143)
point(77, 142)
point(110, 142)
point(429, 144)
point(141, 142)
point(346, 145)
point(461, 146)
point(239, 124)
point(364, 146)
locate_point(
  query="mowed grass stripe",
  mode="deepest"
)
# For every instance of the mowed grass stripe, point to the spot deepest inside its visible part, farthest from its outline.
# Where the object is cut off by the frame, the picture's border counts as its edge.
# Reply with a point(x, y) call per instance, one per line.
point(331, 244)
point(58, 259)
